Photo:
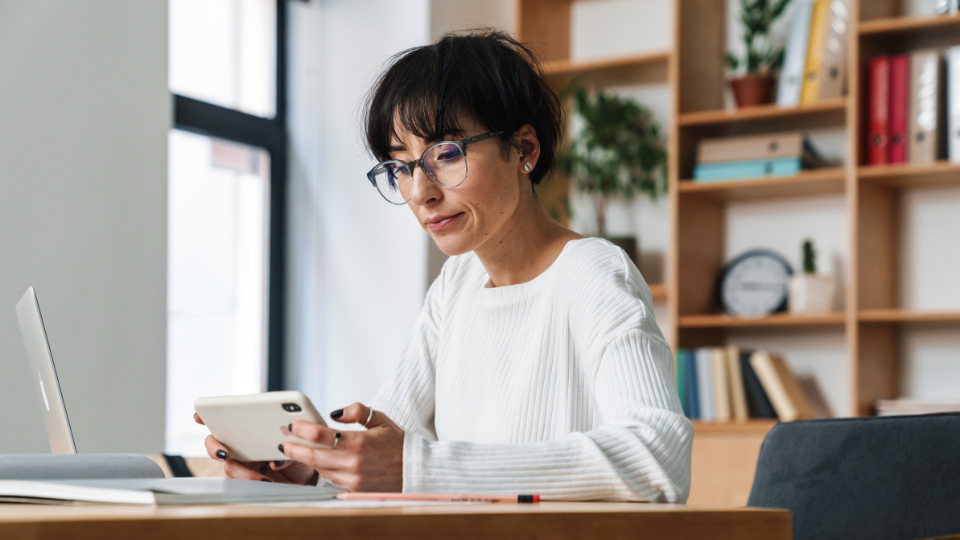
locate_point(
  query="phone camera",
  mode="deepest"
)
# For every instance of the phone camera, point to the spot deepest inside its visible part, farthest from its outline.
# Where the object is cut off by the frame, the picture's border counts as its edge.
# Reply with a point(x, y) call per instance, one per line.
point(291, 407)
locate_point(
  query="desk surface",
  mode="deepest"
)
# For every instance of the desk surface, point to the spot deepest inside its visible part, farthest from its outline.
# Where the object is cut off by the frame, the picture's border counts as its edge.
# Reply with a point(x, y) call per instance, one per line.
point(462, 522)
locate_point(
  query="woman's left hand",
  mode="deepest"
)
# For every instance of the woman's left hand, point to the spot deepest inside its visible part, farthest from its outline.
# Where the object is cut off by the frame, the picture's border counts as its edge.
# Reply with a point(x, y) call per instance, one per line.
point(369, 460)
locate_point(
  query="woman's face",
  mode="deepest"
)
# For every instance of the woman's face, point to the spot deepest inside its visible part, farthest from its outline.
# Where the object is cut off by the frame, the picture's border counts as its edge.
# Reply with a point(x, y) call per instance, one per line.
point(478, 211)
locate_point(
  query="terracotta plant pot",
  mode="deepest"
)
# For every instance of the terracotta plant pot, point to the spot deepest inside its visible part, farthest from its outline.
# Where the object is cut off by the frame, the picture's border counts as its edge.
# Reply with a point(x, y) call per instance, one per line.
point(752, 90)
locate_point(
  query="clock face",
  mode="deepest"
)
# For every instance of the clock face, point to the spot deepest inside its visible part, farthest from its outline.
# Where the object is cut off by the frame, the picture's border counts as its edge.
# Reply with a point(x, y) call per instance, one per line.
point(755, 283)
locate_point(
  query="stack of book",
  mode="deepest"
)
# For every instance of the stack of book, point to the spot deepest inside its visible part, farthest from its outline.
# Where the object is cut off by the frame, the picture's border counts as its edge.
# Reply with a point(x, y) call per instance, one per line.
point(724, 384)
point(756, 156)
point(914, 111)
point(814, 63)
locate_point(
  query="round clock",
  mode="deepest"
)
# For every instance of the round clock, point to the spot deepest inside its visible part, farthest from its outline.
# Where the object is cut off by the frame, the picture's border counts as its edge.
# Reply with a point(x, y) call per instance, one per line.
point(755, 283)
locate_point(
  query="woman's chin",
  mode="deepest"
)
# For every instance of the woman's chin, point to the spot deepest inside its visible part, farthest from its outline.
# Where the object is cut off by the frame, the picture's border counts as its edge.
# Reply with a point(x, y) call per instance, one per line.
point(452, 244)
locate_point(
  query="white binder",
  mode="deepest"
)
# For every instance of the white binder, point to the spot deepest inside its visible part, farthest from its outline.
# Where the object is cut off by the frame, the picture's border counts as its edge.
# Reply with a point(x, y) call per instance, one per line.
point(953, 103)
point(795, 58)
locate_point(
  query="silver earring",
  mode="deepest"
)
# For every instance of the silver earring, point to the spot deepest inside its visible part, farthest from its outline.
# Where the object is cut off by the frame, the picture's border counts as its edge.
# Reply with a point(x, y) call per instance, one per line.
point(527, 166)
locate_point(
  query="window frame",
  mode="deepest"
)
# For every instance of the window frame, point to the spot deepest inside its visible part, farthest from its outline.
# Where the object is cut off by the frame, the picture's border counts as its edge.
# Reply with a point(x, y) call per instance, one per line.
point(270, 134)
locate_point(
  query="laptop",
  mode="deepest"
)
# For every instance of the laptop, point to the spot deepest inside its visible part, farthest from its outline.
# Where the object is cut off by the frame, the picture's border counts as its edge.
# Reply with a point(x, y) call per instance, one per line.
point(40, 360)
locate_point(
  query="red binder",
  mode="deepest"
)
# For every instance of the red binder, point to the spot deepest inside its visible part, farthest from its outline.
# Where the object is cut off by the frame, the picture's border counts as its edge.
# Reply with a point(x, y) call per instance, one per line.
point(879, 131)
point(899, 107)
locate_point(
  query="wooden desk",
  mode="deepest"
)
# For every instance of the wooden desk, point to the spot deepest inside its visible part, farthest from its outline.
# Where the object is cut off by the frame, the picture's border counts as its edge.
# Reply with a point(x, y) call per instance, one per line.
point(460, 522)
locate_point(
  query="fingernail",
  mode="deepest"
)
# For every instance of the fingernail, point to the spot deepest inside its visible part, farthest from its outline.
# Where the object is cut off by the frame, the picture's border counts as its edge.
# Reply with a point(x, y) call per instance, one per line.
point(278, 463)
point(290, 427)
point(263, 468)
point(280, 448)
point(336, 414)
point(221, 455)
point(266, 480)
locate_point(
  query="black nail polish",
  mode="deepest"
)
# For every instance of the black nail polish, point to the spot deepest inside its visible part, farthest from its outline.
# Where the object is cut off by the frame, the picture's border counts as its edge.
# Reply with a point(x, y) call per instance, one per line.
point(266, 480)
point(336, 414)
point(280, 448)
point(221, 455)
point(278, 463)
point(263, 468)
point(290, 428)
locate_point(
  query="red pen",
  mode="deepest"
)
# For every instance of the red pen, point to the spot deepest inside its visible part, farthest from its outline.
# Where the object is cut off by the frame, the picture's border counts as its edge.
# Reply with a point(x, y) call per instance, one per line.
point(439, 497)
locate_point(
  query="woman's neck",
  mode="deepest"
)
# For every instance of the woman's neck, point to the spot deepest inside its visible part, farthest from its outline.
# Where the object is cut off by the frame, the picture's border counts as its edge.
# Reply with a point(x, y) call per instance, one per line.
point(526, 248)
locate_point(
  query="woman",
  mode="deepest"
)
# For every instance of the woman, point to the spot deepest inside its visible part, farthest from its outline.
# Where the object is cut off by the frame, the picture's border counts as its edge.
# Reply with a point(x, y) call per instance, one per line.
point(536, 365)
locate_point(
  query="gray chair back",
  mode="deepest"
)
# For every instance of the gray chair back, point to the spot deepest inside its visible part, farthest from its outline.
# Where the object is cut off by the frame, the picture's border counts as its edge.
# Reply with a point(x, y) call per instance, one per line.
point(889, 478)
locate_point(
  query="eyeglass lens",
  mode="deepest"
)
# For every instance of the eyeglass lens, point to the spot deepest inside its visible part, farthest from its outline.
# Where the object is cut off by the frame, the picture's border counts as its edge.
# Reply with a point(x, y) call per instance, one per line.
point(444, 163)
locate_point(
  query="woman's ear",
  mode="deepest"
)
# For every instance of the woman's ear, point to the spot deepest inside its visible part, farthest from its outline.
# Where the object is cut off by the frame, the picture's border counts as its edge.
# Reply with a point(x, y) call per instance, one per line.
point(529, 148)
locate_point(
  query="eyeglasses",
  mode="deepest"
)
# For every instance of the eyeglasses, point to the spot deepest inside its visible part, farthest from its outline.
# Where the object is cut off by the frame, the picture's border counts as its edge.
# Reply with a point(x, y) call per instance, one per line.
point(445, 164)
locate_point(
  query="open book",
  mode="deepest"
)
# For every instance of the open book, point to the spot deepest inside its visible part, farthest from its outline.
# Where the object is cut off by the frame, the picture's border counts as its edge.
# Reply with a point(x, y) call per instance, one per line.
point(161, 491)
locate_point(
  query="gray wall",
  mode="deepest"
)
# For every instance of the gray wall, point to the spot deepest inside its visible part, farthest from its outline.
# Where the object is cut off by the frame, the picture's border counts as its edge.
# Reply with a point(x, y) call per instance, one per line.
point(84, 115)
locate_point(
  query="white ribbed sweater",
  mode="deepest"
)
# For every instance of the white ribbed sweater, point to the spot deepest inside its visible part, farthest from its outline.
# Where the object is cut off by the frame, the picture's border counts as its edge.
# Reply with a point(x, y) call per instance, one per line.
point(561, 386)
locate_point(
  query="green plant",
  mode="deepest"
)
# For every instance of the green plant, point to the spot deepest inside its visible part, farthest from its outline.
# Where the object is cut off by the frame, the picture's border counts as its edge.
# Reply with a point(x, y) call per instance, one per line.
point(756, 18)
point(619, 151)
point(809, 258)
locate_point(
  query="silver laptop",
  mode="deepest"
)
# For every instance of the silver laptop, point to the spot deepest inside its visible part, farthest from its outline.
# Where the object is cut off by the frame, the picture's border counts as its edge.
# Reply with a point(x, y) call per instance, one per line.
point(44, 374)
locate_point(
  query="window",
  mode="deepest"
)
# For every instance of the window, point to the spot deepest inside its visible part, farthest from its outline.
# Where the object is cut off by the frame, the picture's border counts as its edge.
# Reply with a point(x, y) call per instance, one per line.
point(226, 202)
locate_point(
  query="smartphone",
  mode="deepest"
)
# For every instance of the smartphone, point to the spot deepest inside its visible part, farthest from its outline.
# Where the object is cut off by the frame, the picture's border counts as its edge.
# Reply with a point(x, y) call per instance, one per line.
point(252, 426)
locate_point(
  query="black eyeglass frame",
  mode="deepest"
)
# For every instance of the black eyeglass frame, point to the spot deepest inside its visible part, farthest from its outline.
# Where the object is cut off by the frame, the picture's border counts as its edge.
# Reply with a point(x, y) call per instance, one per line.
point(412, 165)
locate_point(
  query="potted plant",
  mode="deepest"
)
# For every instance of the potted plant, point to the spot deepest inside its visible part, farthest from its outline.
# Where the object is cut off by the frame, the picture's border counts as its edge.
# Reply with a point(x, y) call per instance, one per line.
point(762, 57)
point(619, 151)
point(810, 292)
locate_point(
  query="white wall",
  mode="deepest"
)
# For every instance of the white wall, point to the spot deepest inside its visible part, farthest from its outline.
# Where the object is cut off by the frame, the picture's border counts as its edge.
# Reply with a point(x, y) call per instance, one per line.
point(84, 115)
point(357, 264)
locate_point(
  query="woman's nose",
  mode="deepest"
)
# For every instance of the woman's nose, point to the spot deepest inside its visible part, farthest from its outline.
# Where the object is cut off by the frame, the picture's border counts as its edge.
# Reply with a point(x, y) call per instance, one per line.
point(425, 191)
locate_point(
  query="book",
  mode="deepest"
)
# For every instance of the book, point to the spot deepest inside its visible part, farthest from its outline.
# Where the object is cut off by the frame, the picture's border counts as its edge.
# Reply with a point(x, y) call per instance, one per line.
point(721, 386)
point(705, 385)
point(899, 88)
point(162, 491)
point(953, 103)
point(690, 384)
point(795, 55)
point(879, 105)
point(781, 386)
point(925, 106)
point(810, 91)
point(758, 404)
point(680, 383)
point(766, 146)
point(833, 70)
point(899, 407)
point(746, 169)
point(738, 398)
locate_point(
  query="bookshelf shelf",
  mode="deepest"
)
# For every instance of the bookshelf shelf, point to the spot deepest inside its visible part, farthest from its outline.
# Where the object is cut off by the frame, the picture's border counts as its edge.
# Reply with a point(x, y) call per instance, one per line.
point(945, 24)
point(813, 182)
point(649, 67)
point(660, 291)
point(732, 428)
point(912, 317)
point(776, 319)
point(833, 109)
point(908, 175)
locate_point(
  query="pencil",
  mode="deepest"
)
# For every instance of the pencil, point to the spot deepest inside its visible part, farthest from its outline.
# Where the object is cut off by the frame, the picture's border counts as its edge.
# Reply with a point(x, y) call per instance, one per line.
point(438, 497)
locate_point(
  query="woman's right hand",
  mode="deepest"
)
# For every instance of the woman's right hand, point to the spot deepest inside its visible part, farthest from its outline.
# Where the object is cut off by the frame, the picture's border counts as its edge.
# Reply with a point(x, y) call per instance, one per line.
point(287, 472)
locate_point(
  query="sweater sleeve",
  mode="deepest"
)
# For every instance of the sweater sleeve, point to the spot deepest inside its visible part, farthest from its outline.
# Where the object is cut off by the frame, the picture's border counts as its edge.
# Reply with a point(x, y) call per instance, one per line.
point(641, 451)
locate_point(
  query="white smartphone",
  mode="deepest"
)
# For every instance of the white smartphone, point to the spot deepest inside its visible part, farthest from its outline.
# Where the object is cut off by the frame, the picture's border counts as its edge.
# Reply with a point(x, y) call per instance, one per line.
point(252, 426)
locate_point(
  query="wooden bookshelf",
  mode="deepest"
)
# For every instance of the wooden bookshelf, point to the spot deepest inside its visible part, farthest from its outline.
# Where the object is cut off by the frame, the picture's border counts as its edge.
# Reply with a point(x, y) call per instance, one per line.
point(776, 319)
point(909, 175)
point(659, 291)
point(748, 427)
point(828, 109)
point(941, 26)
point(813, 182)
point(912, 317)
point(634, 69)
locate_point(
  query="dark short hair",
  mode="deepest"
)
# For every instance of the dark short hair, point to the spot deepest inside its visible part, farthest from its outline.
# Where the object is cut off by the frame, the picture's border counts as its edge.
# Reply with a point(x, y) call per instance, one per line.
point(485, 75)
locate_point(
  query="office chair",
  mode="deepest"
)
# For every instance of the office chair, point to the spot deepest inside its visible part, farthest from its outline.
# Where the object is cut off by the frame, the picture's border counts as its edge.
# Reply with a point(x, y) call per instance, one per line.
point(889, 478)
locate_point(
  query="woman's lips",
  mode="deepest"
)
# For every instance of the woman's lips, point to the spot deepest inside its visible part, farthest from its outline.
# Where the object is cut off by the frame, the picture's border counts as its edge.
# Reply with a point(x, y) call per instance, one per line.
point(443, 223)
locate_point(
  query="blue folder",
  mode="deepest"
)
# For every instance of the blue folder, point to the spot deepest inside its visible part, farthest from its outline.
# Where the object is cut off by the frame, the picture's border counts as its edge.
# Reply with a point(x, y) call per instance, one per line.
point(746, 169)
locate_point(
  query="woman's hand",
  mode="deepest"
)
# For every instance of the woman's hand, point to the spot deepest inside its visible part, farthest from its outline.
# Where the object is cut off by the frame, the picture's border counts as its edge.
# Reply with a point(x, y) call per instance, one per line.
point(369, 460)
point(288, 472)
